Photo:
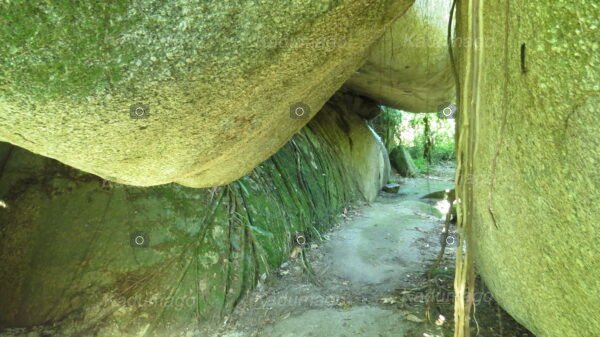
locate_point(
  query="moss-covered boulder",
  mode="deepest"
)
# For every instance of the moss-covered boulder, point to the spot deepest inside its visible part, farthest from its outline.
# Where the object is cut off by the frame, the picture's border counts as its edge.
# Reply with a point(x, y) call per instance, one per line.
point(535, 177)
point(89, 257)
point(409, 67)
point(195, 92)
point(402, 162)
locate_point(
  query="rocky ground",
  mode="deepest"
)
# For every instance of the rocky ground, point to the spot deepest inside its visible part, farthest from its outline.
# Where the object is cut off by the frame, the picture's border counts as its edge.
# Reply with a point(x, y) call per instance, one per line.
point(368, 277)
point(357, 268)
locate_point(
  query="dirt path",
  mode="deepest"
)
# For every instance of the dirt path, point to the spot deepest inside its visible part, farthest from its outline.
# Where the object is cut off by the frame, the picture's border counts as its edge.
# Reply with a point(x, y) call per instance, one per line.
point(376, 250)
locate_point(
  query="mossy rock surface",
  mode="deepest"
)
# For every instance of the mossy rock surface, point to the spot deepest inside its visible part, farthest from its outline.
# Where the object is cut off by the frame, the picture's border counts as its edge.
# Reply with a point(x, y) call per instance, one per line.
point(402, 162)
point(217, 79)
point(66, 254)
point(535, 177)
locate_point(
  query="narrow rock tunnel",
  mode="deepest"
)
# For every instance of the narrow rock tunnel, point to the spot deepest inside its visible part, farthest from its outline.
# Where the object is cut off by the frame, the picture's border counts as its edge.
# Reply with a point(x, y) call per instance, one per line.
point(316, 168)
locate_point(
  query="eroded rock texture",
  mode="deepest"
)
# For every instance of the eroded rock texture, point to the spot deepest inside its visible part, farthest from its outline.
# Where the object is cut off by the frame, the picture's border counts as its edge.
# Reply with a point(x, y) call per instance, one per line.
point(66, 254)
point(216, 78)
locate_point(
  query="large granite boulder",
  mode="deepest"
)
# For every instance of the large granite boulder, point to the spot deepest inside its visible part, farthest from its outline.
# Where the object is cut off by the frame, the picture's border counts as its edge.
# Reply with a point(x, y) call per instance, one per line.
point(535, 177)
point(409, 67)
point(87, 257)
point(195, 92)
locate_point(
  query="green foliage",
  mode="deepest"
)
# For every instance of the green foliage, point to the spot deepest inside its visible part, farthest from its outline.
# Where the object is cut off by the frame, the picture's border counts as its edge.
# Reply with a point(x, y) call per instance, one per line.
point(409, 129)
point(414, 135)
point(442, 151)
point(386, 125)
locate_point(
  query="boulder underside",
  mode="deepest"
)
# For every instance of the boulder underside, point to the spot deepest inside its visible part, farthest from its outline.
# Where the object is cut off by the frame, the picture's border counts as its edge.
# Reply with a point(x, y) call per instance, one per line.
point(215, 82)
point(409, 67)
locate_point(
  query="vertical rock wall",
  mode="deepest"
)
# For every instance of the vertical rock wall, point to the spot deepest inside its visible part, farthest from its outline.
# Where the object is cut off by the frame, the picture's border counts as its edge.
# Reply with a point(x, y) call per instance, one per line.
point(535, 176)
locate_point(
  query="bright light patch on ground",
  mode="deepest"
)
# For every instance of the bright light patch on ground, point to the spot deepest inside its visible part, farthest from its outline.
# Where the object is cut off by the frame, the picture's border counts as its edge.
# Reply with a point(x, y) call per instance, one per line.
point(443, 205)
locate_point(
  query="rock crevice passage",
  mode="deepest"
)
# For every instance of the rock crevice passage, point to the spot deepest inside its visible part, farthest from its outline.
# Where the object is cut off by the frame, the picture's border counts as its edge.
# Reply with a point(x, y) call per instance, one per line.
point(91, 256)
point(358, 267)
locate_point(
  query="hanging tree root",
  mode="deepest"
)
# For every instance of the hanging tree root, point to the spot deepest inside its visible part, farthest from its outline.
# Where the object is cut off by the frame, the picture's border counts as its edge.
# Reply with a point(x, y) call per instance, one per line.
point(444, 243)
point(431, 285)
point(308, 269)
point(468, 94)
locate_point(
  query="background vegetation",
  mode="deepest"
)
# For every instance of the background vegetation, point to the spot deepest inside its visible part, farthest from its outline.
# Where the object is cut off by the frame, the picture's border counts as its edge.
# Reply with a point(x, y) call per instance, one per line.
point(422, 134)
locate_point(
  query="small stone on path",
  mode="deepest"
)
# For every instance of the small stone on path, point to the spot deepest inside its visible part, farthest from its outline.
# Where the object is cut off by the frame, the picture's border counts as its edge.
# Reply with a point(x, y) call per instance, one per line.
point(391, 188)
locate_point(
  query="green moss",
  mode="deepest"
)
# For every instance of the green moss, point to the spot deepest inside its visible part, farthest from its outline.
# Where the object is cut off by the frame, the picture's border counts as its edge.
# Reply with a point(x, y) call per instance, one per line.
point(57, 49)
